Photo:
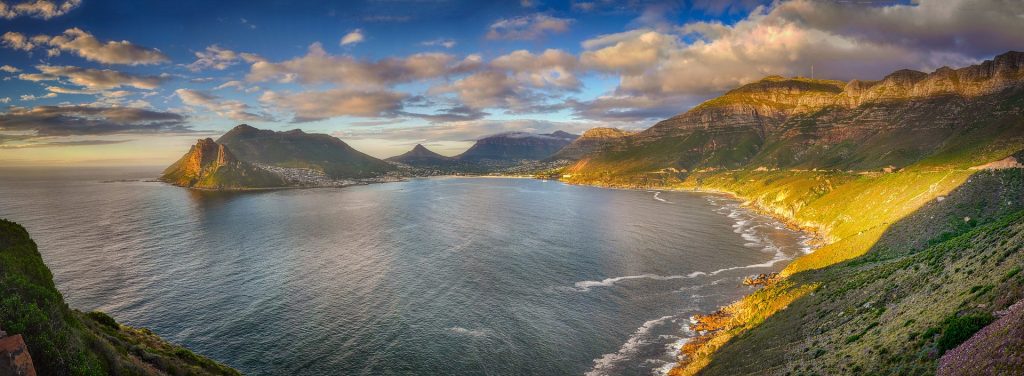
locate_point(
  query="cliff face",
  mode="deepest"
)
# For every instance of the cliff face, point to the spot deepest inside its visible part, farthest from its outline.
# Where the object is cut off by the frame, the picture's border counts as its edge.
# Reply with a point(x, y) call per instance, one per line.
point(298, 149)
point(801, 123)
point(209, 165)
point(592, 140)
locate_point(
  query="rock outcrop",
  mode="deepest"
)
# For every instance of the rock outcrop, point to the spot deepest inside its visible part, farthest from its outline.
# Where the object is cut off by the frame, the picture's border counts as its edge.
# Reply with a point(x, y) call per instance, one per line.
point(209, 165)
point(14, 357)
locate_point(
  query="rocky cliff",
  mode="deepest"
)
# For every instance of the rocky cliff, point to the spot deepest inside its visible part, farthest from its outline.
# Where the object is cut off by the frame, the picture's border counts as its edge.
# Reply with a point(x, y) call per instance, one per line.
point(209, 165)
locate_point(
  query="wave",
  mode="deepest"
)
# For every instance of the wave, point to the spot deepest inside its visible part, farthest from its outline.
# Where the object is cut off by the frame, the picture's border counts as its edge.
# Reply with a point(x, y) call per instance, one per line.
point(606, 363)
point(660, 199)
point(746, 224)
point(608, 282)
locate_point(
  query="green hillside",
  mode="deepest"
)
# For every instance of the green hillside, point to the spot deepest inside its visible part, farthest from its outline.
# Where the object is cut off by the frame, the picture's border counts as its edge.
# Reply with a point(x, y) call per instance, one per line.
point(297, 149)
point(63, 341)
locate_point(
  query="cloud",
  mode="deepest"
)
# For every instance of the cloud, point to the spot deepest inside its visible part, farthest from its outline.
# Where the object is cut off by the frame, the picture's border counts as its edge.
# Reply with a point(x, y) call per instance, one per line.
point(632, 108)
point(318, 105)
point(89, 120)
point(632, 52)
point(5, 100)
point(32, 97)
point(551, 68)
point(318, 67)
point(214, 57)
point(453, 114)
point(440, 42)
point(84, 44)
point(353, 37)
point(231, 109)
point(17, 41)
point(9, 69)
point(841, 40)
point(527, 27)
point(44, 9)
point(4, 145)
point(239, 85)
point(94, 79)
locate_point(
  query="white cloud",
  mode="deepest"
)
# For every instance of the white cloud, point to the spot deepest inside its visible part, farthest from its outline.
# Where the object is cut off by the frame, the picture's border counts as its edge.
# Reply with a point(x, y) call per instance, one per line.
point(5, 100)
point(94, 79)
point(318, 67)
point(527, 27)
point(318, 105)
point(231, 109)
point(17, 41)
point(9, 69)
point(353, 37)
point(551, 68)
point(239, 85)
point(841, 40)
point(214, 57)
point(440, 42)
point(32, 97)
point(44, 9)
point(84, 44)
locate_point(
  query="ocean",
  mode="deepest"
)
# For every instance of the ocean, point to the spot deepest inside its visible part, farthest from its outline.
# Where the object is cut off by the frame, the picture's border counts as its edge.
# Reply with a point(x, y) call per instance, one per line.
point(453, 276)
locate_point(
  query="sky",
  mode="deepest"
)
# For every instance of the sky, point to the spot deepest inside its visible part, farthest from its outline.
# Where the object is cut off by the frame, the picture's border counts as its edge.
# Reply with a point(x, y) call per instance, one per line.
point(90, 82)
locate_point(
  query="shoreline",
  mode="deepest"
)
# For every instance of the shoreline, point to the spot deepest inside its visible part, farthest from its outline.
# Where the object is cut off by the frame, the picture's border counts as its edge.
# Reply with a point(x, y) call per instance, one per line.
point(703, 325)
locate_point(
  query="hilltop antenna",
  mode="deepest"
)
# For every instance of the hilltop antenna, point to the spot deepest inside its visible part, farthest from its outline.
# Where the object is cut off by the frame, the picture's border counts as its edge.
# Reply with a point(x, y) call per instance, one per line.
point(812, 71)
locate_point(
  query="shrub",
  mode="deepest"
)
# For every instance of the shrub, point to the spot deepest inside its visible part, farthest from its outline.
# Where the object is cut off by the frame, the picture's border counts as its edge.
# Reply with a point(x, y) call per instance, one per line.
point(104, 319)
point(959, 329)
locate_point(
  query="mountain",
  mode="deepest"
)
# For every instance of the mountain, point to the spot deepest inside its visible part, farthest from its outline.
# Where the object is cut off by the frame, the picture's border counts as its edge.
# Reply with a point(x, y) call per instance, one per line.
point(805, 124)
point(517, 146)
point(64, 341)
point(913, 189)
point(297, 149)
point(592, 140)
point(209, 165)
point(422, 157)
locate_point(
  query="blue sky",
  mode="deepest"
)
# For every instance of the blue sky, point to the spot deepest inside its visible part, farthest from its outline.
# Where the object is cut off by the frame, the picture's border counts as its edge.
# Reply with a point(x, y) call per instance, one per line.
point(135, 82)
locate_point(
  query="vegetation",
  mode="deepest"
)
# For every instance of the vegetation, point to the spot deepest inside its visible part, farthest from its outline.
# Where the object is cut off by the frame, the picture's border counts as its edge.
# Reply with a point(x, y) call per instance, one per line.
point(63, 341)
